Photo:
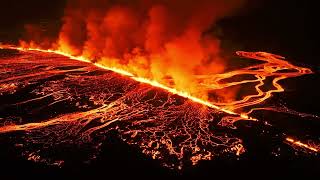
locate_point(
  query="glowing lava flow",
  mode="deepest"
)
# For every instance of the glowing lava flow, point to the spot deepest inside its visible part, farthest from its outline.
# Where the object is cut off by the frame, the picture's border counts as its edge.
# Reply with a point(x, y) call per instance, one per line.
point(147, 114)
point(302, 145)
point(272, 68)
point(139, 79)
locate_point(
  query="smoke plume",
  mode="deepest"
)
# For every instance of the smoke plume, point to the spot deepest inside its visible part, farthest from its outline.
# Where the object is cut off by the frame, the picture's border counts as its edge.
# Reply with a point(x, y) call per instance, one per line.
point(163, 40)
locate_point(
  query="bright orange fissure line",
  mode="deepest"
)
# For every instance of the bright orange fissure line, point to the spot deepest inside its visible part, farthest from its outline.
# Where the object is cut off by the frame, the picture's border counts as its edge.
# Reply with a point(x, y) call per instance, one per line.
point(274, 64)
point(302, 145)
point(174, 91)
point(139, 79)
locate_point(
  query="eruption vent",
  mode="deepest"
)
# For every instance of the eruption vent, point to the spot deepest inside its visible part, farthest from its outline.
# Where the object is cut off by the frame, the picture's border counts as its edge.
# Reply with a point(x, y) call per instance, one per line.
point(162, 40)
point(172, 94)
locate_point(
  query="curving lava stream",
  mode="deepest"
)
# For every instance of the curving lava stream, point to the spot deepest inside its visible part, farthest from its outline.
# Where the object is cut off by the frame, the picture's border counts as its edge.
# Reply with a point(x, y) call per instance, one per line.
point(50, 97)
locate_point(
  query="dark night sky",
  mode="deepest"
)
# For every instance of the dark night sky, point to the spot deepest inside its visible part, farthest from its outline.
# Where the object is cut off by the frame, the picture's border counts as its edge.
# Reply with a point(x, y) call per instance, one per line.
point(286, 27)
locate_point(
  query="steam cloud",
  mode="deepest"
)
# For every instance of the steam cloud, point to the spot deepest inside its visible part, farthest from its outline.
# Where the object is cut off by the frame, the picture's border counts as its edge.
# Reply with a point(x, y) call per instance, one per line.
point(157, 39)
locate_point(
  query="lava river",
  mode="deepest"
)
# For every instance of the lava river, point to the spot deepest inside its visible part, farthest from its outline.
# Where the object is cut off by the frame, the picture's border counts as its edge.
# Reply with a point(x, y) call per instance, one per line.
point(49, 101)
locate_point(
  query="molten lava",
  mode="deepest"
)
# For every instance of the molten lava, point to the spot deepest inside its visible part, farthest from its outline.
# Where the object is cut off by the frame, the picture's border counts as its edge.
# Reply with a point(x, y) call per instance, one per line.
point(270, 68)
point(163, 43)
point(175, 83)
point(303, 145)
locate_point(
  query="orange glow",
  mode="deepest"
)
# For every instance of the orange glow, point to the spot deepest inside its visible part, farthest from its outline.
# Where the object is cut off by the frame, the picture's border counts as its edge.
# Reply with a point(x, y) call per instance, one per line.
point(161, 41)
point(163, 44)
point(273, 64)
point(139, 79)
point(270, 68)
point(302, 145)
point(168, 45)
point(267, 69)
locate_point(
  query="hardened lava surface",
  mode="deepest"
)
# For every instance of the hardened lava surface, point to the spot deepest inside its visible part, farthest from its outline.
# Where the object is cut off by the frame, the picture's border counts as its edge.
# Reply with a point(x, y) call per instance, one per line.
point(52, 106)
point(50, 103)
